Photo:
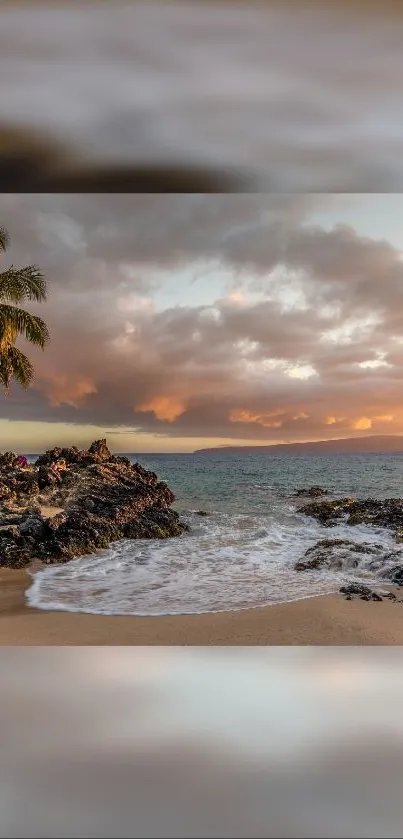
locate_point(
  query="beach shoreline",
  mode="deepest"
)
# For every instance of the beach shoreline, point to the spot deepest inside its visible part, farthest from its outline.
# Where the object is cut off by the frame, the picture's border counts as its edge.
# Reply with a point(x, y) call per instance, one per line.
point(318, 621)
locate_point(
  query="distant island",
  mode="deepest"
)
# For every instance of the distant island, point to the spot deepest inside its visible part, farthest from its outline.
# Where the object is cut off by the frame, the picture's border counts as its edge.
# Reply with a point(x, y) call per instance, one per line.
point(385, 443)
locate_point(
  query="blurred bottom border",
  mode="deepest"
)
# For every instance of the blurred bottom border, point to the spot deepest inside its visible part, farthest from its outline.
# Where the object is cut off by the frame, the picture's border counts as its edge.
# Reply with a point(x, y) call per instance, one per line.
point(201, 742)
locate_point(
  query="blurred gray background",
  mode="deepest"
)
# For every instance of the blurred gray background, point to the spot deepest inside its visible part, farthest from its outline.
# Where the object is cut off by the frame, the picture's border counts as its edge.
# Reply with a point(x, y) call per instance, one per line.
point(277, 96)
point(290, 742)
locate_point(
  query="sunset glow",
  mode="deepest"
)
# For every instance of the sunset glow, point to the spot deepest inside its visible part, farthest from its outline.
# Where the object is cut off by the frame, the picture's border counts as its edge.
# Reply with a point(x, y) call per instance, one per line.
point(194, 335)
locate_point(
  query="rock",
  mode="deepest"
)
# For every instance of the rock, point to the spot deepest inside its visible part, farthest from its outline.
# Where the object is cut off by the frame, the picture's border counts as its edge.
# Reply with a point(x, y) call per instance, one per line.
point(328, 513)
point(54, 523)
point(33, 525)
point(100, 450)
point(386, 513)
point(312, 492)
point(103, 499)
point(8, 460)
point(394, 575)
point(364, 592)
point(6, 493)
point(201, 513)
point(320, 554)
point(124, 460)
point(354, 588)
point(335, 553)
point(10, 530)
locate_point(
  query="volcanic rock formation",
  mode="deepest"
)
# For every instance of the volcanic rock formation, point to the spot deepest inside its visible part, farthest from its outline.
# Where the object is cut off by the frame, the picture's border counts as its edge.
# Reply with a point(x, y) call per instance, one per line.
point(72, 502)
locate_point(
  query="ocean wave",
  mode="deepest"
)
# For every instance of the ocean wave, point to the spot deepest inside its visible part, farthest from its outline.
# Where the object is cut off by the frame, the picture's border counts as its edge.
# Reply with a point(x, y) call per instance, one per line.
point(228, 562)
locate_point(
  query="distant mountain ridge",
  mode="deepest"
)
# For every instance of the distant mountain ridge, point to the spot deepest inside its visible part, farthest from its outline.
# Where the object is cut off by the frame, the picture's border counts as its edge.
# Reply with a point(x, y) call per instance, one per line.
point(385, 443)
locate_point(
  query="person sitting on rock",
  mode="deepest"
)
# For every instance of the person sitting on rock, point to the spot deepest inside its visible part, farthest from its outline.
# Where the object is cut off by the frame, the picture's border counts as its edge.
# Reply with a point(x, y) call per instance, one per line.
point(22, 462)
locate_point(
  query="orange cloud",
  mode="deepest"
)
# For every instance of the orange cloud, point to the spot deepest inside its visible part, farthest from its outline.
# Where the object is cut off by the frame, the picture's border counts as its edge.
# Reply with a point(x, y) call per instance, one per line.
point(261, 419)
point(167, 408)
point(362, 424)
point(61, 390)
point(333, 420)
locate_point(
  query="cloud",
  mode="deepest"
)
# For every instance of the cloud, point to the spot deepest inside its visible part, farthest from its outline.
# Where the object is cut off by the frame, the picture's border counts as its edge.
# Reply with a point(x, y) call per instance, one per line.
point(300, 339)
point(362, 424)
point(167, 408)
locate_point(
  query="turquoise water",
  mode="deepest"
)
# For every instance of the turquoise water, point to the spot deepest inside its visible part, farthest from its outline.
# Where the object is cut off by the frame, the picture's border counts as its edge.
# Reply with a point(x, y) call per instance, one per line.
point(246, 483)
point(243, 553)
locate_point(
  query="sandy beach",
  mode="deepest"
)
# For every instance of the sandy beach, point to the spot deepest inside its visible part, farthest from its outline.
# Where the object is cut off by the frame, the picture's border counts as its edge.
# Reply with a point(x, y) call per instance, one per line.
point(325, 620)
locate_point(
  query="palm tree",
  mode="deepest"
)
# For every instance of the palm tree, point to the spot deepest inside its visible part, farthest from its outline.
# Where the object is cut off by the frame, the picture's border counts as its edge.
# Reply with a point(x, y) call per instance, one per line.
point(16, 286)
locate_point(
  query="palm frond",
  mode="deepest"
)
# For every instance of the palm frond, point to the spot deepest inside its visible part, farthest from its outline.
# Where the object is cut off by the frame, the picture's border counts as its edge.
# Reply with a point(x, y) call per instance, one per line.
point(15, 365)
point(4, 239)
point(15, 321)
point(18, 284)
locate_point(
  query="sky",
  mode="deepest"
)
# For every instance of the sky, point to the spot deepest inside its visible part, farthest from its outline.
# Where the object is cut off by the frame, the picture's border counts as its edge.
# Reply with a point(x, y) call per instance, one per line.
point(187, 321)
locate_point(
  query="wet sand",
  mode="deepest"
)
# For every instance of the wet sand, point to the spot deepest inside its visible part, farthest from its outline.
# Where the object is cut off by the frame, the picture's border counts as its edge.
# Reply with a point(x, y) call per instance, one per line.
point(325, 620)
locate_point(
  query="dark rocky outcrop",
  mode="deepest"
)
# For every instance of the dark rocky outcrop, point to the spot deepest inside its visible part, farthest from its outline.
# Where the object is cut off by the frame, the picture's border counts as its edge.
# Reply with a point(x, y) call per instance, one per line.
point(336, 554)
point(346, 555)
point(311, 492)
point(99, 498)
point(328, 513)
point(386, 513)
point(363, 592)
point(8, 460)
point(394, 574)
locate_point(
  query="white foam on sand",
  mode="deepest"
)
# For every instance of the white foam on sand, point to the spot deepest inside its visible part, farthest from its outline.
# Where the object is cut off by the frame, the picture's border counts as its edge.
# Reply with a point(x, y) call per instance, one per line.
point(227, 562)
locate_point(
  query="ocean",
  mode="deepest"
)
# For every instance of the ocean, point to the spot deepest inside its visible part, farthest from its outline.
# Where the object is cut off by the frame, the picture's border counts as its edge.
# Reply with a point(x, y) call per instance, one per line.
point(242, 554)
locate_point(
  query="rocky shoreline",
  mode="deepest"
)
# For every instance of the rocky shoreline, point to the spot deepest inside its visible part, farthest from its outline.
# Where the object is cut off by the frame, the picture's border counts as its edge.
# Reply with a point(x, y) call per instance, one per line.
point(381, 513)
point(345, 554)
point(70, 503)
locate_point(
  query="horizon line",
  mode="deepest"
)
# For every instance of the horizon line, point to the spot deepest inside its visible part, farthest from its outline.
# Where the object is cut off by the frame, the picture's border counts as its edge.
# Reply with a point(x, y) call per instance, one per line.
point(232, 446)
